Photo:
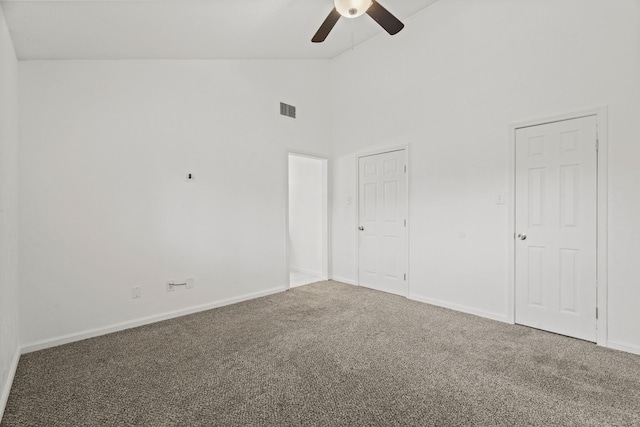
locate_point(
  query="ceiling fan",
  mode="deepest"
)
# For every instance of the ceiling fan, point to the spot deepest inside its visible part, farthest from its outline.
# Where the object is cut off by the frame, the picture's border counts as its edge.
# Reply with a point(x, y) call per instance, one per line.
point(353, 9)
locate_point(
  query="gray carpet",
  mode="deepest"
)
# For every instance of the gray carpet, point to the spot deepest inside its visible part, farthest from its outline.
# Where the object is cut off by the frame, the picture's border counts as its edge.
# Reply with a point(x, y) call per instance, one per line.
point(327, 354)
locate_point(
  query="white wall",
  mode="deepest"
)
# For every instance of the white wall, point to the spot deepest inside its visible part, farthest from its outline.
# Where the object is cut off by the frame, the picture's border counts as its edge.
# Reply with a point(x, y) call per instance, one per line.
point(305, 214)
point(450, 84)
point(9, 338)
point(104, 205)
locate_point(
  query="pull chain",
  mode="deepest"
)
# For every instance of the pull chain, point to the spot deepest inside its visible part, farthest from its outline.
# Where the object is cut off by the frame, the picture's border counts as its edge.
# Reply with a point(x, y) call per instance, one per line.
point(353, 44)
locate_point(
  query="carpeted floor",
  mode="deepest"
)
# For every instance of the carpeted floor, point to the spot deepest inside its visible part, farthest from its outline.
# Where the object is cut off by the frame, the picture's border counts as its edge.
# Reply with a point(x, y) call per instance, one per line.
point(327, 354)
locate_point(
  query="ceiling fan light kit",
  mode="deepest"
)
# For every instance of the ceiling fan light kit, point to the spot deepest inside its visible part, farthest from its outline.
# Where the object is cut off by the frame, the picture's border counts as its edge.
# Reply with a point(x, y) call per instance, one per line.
point(353, 9)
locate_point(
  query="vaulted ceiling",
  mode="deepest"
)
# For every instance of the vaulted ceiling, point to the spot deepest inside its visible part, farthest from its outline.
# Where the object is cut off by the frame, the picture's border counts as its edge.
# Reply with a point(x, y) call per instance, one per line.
point(186, 29)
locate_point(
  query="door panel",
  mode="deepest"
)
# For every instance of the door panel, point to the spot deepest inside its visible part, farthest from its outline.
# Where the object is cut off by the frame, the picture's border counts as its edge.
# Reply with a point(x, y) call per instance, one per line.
point(535, 278)
point(382, 239)
point(556, 206)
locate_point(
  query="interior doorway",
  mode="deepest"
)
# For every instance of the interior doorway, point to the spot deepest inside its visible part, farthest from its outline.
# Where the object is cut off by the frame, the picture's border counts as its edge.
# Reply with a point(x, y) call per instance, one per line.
point(382, 221)
point(308, 220)
point(556, 226)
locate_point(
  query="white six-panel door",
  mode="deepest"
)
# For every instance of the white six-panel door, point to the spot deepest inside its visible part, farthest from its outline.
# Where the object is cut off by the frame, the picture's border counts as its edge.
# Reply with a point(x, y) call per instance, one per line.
point(382, 211)
point(556, 227)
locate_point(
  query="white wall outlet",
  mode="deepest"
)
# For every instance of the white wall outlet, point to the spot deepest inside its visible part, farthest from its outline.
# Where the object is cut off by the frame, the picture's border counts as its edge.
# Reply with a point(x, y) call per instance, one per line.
point(190, 283)
point(136, 292)
point(170, 287)
point(500, 199)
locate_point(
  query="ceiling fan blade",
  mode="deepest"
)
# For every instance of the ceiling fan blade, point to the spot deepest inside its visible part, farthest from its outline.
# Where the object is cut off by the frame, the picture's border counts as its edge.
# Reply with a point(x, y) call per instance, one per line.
point(383, 17)
point(326, 26)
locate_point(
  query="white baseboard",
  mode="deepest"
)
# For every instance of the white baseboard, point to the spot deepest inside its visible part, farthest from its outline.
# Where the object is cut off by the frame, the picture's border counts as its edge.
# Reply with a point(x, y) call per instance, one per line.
point(623, 346)
point(6, 389)
point(66, 339)
point(343, 280)
point(463, 308)
point(615, 345)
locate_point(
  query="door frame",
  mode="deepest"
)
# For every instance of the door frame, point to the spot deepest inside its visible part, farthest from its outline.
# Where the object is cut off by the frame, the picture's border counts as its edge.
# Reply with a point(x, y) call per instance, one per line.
point(326, 242)
point(601, 114)
point(407, 264)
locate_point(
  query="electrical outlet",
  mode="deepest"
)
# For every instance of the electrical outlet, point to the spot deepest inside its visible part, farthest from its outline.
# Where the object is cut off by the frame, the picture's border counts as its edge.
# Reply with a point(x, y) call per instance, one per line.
point(136, 292)
point(170, 287)
point(190, 283)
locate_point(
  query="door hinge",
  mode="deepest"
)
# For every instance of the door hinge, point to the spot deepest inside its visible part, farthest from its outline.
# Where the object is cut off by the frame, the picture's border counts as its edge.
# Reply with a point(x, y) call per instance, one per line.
point(405, 276)
point(405, 168)
point(405, 222)
point(596, 312)
point(597, 144)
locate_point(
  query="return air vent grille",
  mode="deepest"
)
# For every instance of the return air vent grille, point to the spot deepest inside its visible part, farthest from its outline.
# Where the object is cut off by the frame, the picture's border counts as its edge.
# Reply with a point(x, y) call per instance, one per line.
point(287, 110)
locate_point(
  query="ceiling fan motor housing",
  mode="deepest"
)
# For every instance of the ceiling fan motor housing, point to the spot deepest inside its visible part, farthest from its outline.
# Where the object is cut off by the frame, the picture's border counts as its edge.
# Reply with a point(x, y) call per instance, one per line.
point(352, 8)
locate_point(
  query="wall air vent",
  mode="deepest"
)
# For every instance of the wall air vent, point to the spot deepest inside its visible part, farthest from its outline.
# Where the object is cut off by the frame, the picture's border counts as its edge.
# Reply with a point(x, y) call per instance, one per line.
point(287, 110)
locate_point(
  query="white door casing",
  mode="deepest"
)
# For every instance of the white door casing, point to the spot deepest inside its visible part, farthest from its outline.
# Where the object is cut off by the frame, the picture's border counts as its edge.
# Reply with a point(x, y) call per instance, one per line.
point(556, 227)
point(382, 222)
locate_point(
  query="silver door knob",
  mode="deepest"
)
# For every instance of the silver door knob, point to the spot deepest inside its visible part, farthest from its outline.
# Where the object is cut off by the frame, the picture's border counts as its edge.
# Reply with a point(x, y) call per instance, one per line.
point(361, 228)
point(522, 236)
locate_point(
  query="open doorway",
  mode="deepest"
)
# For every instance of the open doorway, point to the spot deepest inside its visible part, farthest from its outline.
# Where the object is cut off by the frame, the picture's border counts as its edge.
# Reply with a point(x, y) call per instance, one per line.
point(307, 231)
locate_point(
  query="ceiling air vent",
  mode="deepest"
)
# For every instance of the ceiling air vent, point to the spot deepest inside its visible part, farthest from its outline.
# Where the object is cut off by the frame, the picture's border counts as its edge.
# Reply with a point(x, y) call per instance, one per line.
point(287, 110)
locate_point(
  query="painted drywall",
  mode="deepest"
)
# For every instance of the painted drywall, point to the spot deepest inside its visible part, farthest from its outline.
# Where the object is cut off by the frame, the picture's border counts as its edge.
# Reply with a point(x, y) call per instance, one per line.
point(9, 332)
point(305, 214)
point(104, 203)
point(450, 84)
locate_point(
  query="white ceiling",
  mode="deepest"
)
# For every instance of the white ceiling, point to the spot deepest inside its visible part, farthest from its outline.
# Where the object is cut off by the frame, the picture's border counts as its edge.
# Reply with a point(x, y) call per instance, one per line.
point(185, 29)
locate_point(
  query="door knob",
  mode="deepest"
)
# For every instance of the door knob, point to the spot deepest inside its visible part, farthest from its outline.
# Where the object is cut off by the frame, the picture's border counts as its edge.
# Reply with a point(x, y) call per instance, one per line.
point(522, 236)
point(361, 228)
